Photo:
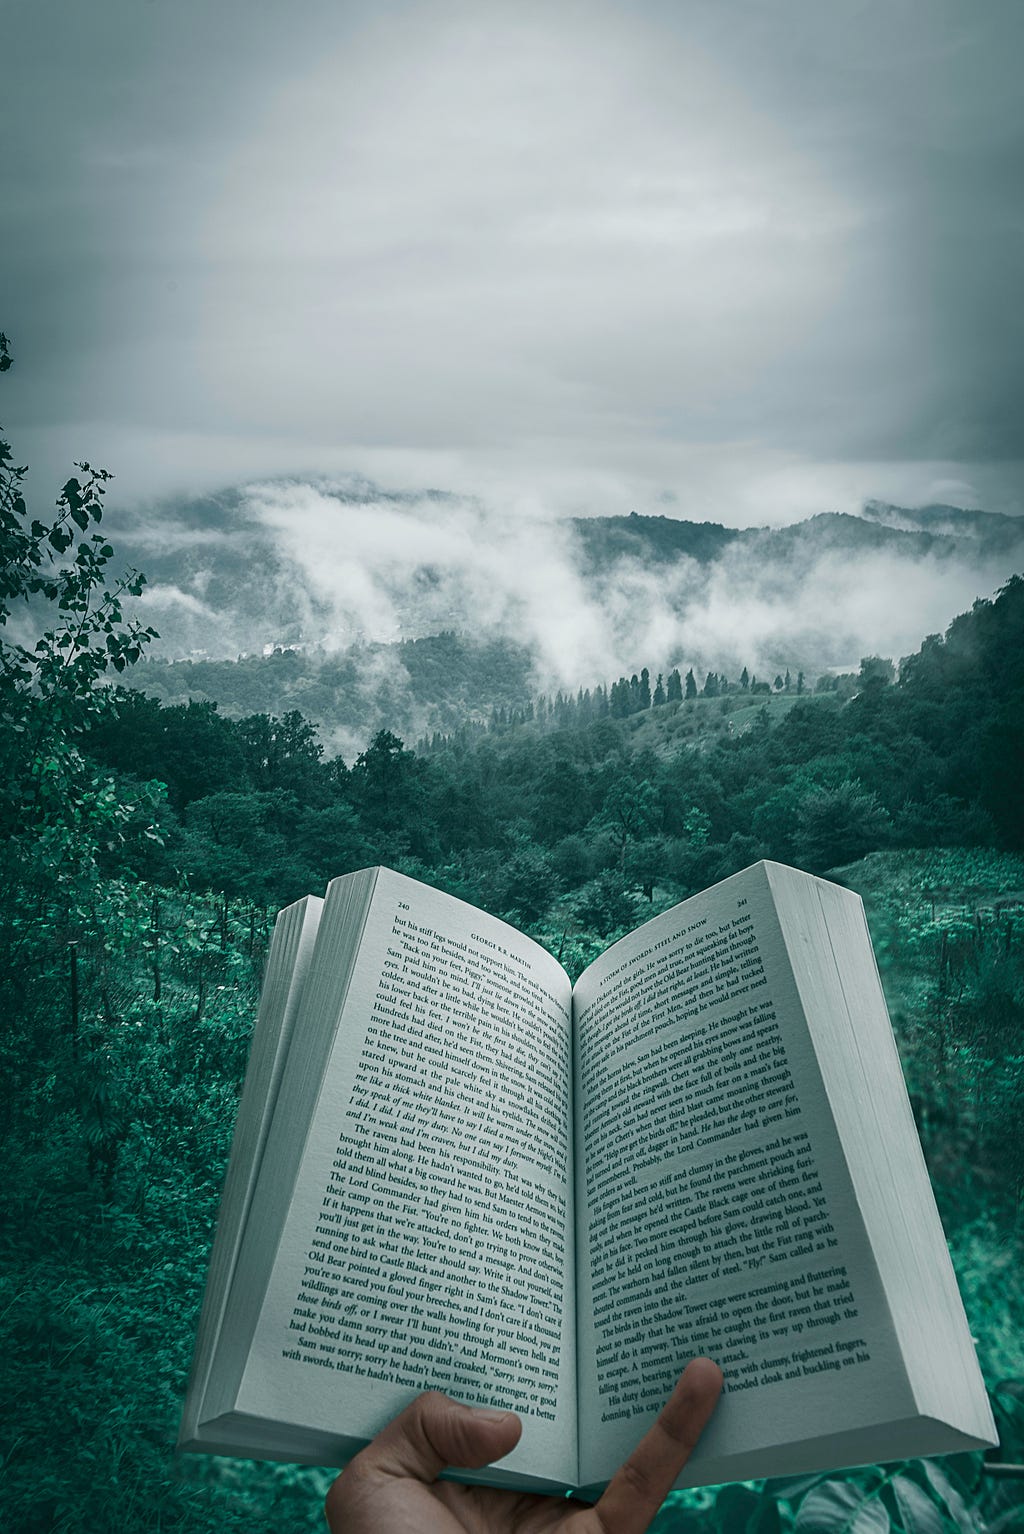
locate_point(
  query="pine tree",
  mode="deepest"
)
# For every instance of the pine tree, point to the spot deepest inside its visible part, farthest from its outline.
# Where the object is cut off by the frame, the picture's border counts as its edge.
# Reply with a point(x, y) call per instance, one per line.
point(799, 683)
point(645, 688)
point(788, 681)
point(691, 685)
point(675, 686)
point(744, 680)
point(710, 688)
point(618, 701)
point(659, 692)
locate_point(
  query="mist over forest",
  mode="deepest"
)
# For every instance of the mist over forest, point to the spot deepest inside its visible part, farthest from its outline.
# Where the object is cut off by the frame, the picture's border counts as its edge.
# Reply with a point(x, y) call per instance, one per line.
point(347, 582)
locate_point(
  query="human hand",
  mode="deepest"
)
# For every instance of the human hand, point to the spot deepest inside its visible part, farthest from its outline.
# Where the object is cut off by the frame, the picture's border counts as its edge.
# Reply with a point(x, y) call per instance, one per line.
point(391, 1487)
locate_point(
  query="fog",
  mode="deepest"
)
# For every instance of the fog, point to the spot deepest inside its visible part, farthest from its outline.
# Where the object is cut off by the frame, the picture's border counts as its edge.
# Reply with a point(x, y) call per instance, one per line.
point(333, 564)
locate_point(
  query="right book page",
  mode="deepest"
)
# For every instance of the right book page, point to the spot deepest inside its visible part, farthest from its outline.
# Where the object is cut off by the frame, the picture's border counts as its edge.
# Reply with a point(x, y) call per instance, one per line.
point(716, 1211)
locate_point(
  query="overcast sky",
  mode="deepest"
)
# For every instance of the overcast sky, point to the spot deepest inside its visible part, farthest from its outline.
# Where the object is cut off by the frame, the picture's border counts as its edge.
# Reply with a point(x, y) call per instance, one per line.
point(723, 259)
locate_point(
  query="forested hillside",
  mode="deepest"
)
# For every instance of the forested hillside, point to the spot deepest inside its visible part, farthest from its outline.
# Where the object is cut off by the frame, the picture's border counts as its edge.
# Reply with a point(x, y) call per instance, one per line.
point(146, 848)
point(420, 613)
point(437, 683)
point(608, 799)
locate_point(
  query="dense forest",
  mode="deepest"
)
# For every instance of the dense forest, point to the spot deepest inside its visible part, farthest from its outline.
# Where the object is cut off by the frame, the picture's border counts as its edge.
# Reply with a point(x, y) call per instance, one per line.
point(581, 813)
point(147, 846)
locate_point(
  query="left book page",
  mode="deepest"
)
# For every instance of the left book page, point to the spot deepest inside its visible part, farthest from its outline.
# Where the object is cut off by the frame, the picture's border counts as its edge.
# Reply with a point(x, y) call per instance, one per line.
point(421, 1235)
point(291, 948)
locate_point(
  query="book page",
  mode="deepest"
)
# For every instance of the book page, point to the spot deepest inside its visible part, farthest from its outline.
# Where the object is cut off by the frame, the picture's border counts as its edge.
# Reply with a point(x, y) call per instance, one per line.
point(288, 961)
point(429, 1242)
point(715, 1213)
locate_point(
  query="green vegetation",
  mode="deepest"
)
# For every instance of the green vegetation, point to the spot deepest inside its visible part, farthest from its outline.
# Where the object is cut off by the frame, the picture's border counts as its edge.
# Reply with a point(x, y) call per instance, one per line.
point(147, 846)
point(433, 684)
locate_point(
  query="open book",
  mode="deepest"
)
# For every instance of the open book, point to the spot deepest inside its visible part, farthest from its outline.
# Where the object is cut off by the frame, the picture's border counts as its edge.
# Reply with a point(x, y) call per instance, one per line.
point(453, 1170)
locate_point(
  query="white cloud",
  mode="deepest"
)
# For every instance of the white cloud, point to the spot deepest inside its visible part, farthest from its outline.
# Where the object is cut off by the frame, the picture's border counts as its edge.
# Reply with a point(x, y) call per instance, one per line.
point(759, 258)
point(170, 597)
point(388, 568)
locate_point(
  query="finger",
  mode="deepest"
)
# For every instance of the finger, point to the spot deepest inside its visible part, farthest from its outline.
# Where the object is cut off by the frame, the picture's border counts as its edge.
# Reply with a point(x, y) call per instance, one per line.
point(435, 1431)
point(637, 1490)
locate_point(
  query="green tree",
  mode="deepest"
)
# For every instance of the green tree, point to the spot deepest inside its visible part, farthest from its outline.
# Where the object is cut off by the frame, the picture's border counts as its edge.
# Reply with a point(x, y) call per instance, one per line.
point(619, 699)
point(630, 810)
point(604, 905)
point(675, 686)
point(56, 573)
point(523, 884)
point(876, 671)
point(280, 753)
point(659, 692)
point(63, 818)
point(646, 862)
point(697, 827)
point(837, 823)
point(191, 747)
point(691, 686)
point(388, 787)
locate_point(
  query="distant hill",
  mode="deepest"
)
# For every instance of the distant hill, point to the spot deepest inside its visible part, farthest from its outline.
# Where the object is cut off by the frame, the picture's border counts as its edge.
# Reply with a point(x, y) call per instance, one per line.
point(942, 531)
point(603, 541)
point(420, 610)
point(415, 687)
point(987, 529)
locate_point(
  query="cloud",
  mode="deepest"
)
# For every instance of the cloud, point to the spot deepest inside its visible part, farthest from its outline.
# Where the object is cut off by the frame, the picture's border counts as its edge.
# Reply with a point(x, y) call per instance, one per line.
point(170, 597)
point(586, 254)
point(139, 536)
point(385, 567)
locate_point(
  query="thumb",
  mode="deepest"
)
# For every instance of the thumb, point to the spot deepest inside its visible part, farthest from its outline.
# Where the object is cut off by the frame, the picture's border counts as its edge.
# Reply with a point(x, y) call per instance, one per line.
point(435, 1431)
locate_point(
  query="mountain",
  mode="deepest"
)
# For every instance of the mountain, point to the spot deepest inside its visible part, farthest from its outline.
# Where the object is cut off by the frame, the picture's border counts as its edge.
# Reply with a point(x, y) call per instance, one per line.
point(414, 688)
point(987, 529)
point(346, 579)
point(604, 541)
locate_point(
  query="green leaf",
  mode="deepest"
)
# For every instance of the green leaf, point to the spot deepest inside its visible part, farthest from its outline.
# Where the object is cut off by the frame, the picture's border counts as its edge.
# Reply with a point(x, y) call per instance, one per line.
point(735, 1506)
point(918, 1513)
point(963, 1469)
point(791, 1489)
point(946, 1491)
point(1011, 1521)
point(841, 1507)
point(767, 1519)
